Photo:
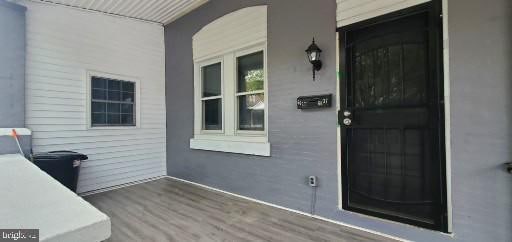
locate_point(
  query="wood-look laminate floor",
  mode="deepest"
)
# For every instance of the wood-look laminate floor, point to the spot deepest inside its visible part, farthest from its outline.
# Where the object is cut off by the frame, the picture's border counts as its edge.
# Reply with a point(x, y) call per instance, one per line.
point(169, 210)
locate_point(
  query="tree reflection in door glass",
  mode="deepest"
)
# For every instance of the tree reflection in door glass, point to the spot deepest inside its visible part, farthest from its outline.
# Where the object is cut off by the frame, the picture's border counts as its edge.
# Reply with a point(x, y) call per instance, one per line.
point(392, 75)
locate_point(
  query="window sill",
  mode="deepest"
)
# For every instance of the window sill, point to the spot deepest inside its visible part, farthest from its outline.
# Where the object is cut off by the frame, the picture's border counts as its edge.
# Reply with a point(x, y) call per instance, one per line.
point(239, 147)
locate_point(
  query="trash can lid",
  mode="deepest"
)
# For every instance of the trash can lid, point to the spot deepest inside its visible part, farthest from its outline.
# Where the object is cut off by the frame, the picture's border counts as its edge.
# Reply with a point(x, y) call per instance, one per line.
point(60, 154)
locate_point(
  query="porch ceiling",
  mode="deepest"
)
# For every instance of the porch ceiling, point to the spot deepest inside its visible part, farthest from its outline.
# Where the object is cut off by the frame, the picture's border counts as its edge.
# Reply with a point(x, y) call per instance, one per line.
point(158, 11)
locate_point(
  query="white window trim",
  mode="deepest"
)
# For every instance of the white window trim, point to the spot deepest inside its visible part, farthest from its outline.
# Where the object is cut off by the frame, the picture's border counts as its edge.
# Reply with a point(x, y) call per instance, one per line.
point(88, 100)
point(230, 139)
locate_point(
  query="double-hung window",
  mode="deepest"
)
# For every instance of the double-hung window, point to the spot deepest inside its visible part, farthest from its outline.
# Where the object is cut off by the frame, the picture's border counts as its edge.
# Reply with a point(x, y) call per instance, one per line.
point(231, 106)
point(231, 84)
point(211, 97)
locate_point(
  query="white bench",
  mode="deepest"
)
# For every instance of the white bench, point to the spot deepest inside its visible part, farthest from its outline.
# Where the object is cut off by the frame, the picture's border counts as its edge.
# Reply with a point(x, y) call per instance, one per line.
point(31, 199)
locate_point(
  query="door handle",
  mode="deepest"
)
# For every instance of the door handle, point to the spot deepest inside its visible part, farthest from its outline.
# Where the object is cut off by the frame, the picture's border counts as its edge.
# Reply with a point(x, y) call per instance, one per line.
point(509, 167)
point(345, 117)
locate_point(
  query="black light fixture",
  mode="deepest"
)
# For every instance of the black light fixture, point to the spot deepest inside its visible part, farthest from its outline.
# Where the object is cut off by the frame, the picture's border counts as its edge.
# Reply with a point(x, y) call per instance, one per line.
point(313, 53)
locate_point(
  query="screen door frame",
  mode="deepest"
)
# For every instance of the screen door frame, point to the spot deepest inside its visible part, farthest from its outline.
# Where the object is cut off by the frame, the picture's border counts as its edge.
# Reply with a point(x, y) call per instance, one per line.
point(435, 52)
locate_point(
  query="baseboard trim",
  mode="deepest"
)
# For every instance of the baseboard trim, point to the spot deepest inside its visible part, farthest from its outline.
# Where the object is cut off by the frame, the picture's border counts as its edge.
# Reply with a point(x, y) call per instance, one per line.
point(288, 209)
point(106, 189)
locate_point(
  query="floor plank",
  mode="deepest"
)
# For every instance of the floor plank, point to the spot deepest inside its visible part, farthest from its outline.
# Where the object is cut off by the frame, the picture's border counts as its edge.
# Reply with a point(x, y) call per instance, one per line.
point(169, 210)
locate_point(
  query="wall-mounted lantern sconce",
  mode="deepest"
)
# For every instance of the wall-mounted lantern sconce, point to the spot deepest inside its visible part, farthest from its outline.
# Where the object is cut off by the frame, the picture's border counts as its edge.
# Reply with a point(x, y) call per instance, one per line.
point(313, 53)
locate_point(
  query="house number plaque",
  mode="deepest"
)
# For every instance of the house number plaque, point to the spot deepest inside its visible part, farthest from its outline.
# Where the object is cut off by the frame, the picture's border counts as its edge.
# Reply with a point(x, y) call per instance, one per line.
point(314, 102)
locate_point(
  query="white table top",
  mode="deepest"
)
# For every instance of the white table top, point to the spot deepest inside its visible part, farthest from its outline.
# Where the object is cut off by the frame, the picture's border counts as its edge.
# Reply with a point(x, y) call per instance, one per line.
point(31, 199)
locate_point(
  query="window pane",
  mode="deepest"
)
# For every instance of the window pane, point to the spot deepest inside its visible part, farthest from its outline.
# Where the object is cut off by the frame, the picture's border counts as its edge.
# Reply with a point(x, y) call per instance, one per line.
point(98, 107)
point(127, 97)
point(250, 72)
point(114, 108)
point(128, 87)
point(113, 118)
point(127, 119)
point(114, 85)
point(251, 112)
point(126, 108)
point(114, 95)
point(212, 114)
point(99, 118)
point(99, 83)
point(99, 94)
point(212, 76)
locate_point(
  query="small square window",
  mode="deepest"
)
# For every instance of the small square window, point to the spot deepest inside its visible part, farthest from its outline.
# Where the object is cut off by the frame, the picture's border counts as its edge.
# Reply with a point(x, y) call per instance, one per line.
point(112, 102)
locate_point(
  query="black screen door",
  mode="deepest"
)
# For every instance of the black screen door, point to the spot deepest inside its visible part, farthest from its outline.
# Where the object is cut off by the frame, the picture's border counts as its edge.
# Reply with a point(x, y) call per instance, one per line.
point(391, 119)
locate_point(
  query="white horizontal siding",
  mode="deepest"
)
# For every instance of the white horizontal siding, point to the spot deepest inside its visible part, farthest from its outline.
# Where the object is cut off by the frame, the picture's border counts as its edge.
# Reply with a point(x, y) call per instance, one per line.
point(62, 45)
point(352, 11)
point(235, 30)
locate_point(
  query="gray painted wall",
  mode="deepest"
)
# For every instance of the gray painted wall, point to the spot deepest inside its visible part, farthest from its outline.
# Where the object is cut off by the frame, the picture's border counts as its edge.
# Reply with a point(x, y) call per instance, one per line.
point(481, 83)
point(12, 65)
point(12, 74)
point(304, 143)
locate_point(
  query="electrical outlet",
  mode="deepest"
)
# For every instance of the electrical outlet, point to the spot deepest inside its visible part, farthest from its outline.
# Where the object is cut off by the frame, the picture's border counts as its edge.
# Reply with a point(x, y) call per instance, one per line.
point(313, 181)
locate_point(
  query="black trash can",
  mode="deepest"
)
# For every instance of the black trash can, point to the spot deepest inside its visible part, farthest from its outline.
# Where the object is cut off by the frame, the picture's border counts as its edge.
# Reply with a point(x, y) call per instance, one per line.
point(63, 166)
